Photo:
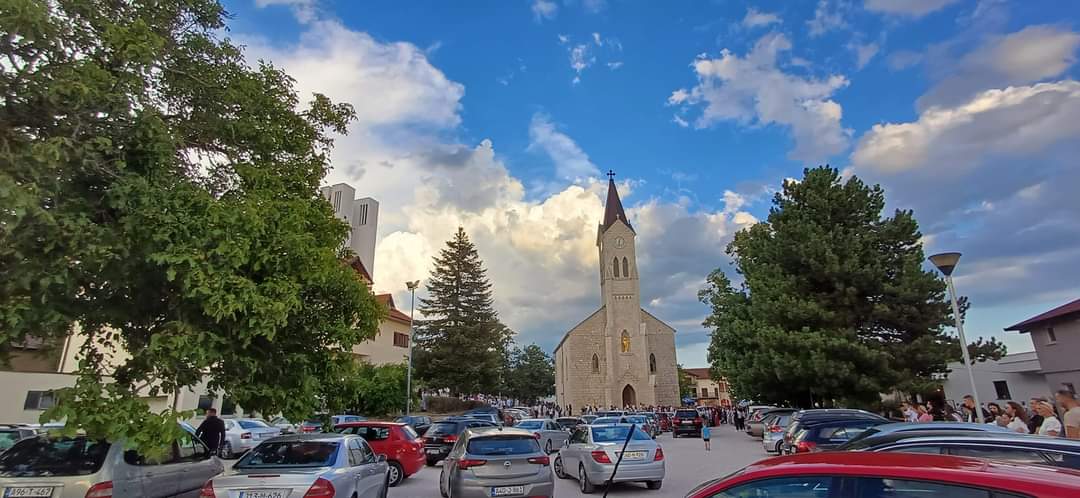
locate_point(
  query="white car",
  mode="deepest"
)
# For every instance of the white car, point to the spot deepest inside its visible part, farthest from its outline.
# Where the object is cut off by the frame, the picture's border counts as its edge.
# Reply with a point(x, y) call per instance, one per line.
point(243, 434)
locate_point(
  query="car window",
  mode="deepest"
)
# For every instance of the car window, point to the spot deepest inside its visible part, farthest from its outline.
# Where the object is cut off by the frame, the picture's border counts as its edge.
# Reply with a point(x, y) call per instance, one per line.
point(190, 449)
point(782, 487)
point(366, 451)
point(480, 424)
point(45, 456)
point(442, 428)
point(410, 433)
point(374, 433)
point(8, 439)
point(166, 455)
point(579, 436)
point(356, 453)
point(933, 450)
point(530, 424)
point(251, 424)
point(686, 414)
point(290, 454)
point(874, 487)
point(999, 453)
point(503, 445)
point(617, 433)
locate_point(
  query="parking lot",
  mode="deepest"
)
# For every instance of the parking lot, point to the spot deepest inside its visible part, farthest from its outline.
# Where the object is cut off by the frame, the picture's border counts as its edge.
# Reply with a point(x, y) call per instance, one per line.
point(688, 464)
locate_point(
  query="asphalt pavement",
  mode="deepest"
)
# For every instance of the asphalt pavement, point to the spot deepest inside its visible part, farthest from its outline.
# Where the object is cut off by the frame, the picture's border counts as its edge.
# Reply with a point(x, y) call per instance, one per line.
point(688, 464)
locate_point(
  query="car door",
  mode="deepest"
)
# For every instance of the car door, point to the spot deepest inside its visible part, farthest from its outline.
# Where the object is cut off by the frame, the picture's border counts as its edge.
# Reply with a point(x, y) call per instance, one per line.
point(199, 465)
point(157, 476)
point(873, 487)
point(786, 487)
point(370, 472)
point(558, 434)
point(572, 451)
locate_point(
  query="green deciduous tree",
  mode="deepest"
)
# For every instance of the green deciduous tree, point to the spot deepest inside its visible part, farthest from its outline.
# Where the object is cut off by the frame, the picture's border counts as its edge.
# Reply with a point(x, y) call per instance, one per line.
point(531, 374)
point(835, 303)
point(371, 390)
point(159, 196)
point(460, 343)
point(687, 384)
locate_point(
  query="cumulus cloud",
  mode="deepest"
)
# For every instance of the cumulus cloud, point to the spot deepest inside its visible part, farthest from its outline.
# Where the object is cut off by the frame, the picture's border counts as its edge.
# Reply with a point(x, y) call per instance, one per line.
point(907, 8)
point(304, 10)
point(571, 163)
point(828, 17)
point(752, 90)
point(755, 18)
point(544, 9)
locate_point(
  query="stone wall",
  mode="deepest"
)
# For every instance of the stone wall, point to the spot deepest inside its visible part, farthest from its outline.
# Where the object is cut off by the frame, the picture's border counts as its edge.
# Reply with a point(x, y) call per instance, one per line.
point(662, 345)
point(576, 383)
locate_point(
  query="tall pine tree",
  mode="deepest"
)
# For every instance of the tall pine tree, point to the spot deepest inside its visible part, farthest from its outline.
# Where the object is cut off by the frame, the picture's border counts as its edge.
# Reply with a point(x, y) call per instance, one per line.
point(460, 343)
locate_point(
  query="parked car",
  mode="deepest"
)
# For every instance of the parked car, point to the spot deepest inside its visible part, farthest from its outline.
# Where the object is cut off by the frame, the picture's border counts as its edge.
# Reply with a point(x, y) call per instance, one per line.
point(665, 421)
point(492, 461)
point(549, 433)
point(569, 423)
point(606, 420)
point(885, 430)
point(441, 437)
point(643, 422)
point(285, 426)
point(592, 451)
point(589, 418)
point(1007, 446)
point(243, 434)
point(610, 413)
point(654, 423)
point(308, 465)
point(772, 435)
point(687, 421)
point(487, 417)
point(801, 417)
point(399, 443)
point(877, 475)
point(754, 414)
point(13, 433)
point(828, 434)
point(756, 427)
point(419, 423)
point(79, 467)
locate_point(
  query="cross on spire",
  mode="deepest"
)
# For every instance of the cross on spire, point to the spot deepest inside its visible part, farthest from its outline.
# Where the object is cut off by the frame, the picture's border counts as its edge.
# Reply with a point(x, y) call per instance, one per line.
point(610, 174)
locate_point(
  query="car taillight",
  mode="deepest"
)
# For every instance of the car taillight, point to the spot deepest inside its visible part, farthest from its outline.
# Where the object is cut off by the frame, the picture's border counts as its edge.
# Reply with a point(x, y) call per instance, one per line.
point(450, 439)
point(542, 460)
point(207, 490)
point(697, 420)
point(468, 463)
point(100, 490)
point(246, 435)
point(675, 421)
point(805, 447)
point(775, 428)
point(659, 454)
point(600, 456)
point(321, 489)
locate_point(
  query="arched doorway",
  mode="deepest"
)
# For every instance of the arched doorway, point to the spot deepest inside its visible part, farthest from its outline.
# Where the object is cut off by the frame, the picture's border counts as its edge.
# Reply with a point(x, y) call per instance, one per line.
point(629, 397)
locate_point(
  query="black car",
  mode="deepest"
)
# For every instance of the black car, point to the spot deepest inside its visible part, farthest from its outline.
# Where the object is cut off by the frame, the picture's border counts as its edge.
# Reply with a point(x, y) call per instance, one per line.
point(419, 423)
point(803, 417)
point(687, 421)
point(829, 433)
point(442, 435)
point(1008, 446)
point(11, 434)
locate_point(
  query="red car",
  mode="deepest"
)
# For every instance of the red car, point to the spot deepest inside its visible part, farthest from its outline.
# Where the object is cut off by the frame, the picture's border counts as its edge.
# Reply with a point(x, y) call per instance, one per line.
point(883, 475)
point(403, 448)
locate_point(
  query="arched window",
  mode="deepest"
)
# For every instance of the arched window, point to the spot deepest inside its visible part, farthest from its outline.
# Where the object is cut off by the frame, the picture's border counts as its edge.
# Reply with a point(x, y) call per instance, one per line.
point(652, 363)
point(615, 264)
point(595, 364)
point(625, 268)
point(625, 342)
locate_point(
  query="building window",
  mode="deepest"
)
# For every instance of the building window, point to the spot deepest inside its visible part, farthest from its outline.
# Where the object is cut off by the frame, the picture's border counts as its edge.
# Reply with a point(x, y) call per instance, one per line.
point(625, 342)
point(615, 264)
point(595, 364)
point(401, 340)
point(1051, 337)
point(39, 400)
point(363, 214)
point(228, 406)
point(652, 363)
point(337, 201)
point(717, 390)
point(625, 268)
point(206, 402)
point(1002, 389)
point(723, 387)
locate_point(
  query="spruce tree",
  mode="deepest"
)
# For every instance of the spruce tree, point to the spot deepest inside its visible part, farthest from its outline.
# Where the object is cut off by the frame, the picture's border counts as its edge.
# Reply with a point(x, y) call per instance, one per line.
point(460, 343)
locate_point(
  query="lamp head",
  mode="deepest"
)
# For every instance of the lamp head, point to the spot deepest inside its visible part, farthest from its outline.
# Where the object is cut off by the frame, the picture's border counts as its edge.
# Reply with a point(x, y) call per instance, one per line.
point(412, 285)
point(946, 261)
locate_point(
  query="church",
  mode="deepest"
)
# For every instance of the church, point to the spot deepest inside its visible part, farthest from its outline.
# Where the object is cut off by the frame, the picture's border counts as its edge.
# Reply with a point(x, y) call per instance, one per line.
point(620, 355)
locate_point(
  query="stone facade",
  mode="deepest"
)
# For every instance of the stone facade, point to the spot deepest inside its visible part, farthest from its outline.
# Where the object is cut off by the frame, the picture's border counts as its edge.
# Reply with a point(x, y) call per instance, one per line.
point(620, 355)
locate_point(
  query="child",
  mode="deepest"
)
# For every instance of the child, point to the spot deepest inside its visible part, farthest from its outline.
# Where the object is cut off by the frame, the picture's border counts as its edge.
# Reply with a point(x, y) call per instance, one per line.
point(705, 437)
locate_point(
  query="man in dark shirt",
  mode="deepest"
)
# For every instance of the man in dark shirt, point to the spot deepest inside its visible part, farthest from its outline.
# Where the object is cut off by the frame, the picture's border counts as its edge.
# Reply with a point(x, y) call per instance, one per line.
point(211, 431)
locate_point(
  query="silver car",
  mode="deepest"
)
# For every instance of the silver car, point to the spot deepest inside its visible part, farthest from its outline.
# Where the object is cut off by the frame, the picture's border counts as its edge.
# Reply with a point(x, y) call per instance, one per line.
point(80, 467)
point(773, 432)
point(550, 434)
point(592, 451)
point(324, 465)
point(495, 461)
point(243, 434)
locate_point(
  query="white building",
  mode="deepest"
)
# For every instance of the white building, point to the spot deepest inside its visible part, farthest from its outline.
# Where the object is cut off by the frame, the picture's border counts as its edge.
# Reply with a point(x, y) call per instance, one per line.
point(1015, 377)
point(362, 215)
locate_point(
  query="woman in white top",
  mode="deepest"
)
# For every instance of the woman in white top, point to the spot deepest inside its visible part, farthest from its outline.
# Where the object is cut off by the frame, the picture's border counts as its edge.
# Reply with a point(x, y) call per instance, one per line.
point(1018, 417)
point(1051, 426)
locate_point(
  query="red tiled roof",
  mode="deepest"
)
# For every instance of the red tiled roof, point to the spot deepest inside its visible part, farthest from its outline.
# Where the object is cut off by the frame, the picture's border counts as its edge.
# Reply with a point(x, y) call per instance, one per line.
point(358, 265)
point(396, 315)
point(1060, 312)
point(701, 373)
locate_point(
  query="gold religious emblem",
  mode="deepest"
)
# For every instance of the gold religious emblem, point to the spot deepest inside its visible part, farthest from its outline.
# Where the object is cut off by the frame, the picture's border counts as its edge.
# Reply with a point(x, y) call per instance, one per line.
point(625, 343)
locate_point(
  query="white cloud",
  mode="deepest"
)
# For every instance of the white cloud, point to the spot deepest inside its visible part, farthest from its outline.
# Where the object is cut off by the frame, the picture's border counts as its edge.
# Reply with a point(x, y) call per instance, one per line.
point(753, 90)
point(903, 59)
point(680, 121)
point(908, 8)
point(828, 19)
point(544, 9)
point(614, 65)
point(580, 60)
point(597, 40)
point(304, 10)
point(863, 53)
point(1034, 53)
point(571, 163)
point(755, 18)
point(594, 6)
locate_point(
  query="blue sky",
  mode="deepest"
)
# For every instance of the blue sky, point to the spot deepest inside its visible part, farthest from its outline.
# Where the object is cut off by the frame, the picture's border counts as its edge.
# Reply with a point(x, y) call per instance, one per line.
point(501, 116)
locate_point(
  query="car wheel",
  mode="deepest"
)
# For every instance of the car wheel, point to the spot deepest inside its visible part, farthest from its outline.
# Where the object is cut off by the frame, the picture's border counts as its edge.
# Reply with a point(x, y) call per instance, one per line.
point(583, 479)
point(654, 484)
point(442, 489)
point(547, 447)
point(560, 472)
point(778, 447)
point(396, 474)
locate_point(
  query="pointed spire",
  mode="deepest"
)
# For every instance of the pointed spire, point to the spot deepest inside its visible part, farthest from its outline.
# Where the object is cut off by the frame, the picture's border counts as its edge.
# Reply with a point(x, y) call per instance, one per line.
point(613, 209)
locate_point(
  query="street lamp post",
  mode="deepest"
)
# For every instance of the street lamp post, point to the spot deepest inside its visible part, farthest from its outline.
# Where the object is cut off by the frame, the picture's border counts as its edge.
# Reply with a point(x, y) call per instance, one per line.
point(946, 263)
point(408, 374)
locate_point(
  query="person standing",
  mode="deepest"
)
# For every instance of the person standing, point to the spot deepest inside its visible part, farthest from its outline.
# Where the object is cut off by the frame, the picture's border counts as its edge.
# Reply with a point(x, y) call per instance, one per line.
point(1034, 419)
point(1071, 417)
point(910, 415)
point(924, 415)
point(951, 415)
point(705, 437)
point(1018, 417)
point(1050, 426)
point(211, 431)
point(971, 412)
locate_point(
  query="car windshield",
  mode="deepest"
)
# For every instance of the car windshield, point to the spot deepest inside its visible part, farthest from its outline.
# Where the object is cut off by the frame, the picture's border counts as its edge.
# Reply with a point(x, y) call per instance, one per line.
point(530, 424)
point(251, 424)
point(280, 421)
point(441, 428)
point(606, 420)
point(636, 419)
point(301, 454)
point(503, 445)
point(46, 456)
point(410, 434)
point(686, 414)
point(856, 443)
point(617, 433)
point(8, 439)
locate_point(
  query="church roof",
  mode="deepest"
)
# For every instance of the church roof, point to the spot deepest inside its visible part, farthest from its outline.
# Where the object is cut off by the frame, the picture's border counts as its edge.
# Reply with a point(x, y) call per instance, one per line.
point(613, 209)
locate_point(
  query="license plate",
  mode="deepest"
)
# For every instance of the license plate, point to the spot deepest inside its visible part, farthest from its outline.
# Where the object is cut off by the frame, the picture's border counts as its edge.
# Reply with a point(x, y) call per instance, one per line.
point(686, 423)
point(634, 455)
point(264, 493)
point(432, 451)
point(508, 491)
point(12, 492)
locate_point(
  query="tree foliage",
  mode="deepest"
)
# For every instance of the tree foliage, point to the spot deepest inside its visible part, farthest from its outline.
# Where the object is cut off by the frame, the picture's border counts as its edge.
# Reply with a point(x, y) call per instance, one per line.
point(371, 390)
point(687, 384)
point(834, 304)
point(531, 374)
point(460, 344)
point(162, 194)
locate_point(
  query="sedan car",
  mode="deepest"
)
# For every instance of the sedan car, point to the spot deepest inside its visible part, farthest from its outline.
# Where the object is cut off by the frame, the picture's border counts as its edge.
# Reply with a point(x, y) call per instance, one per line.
point(243, 434)
point(78, 467)
point(400, 445)
point(308, 465)
point(592, 451)
point(441, 437)
point(496, 461)
point(878, 475)
point(548, 432)
point(1006, 446)
point(643, 422)
point(803, 417)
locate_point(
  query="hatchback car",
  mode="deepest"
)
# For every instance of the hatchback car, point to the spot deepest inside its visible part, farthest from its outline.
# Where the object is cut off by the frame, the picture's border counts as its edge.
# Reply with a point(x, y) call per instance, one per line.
point(496, 461)
point(772, 436)
point(1007, 446)
point(243, 434)
point(802, 417)
point(687, 422)
point(399, 443)
point(549, 433)
point(593, 450)
point(887, 475)
point(828, 434)
point(79, 467)
point(441, 437)
point(756, 428)
point(307, 465)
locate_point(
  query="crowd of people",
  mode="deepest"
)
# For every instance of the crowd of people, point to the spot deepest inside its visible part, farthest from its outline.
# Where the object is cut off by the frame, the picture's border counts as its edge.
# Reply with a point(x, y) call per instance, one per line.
point(1040, 416)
